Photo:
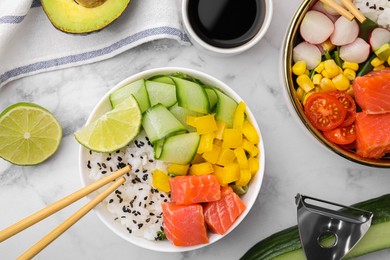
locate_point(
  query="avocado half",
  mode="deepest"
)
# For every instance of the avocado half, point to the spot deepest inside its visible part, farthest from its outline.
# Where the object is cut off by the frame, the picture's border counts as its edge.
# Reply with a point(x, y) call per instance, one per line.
point(83, 16)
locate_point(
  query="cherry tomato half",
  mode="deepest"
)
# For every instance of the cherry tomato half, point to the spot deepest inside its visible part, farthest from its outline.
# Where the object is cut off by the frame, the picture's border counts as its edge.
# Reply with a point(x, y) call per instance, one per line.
point(324, 111)
point(341, 135)
point(349, 105)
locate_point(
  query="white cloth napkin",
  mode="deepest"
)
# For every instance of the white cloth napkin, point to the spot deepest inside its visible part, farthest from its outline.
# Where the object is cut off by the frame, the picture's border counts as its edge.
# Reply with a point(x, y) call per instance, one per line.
point(29, 43)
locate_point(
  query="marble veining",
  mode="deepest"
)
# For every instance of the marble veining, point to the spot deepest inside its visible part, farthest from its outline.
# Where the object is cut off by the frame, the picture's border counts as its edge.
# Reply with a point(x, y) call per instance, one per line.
point(295, 162)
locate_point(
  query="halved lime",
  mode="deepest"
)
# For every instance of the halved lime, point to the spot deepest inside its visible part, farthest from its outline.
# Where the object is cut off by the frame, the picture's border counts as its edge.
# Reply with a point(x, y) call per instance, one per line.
point(114, 129)
point(29, 134)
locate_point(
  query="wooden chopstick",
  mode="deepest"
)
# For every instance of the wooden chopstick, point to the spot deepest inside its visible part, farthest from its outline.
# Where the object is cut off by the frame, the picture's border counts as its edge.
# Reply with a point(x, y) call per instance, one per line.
point(41, 244)
point(352, 8)
point(62, 203)
point(342, 11)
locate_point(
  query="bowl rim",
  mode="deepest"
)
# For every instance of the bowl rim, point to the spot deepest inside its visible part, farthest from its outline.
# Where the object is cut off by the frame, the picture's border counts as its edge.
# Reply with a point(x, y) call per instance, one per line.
point(287, 49)
point(228, 51)
point(101, 210)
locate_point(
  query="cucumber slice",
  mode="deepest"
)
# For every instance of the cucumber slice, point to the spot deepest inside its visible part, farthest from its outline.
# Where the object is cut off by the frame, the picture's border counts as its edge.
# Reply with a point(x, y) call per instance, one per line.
point(191, 96)
point(226, 107)
point(213, 99)
point(181, 114)
point(137, 89)
point(162, 93)
point(159, 123)
point(162, 79)
point(179, 149)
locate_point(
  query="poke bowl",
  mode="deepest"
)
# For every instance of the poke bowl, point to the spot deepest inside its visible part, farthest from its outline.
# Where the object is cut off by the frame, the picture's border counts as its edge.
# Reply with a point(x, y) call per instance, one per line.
point(326, 54)
point(134, 211)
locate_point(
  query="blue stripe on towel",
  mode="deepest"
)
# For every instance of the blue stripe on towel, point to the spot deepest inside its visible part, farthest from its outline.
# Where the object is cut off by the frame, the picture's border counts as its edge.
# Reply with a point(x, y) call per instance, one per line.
point(51, 64)
point(14, 19)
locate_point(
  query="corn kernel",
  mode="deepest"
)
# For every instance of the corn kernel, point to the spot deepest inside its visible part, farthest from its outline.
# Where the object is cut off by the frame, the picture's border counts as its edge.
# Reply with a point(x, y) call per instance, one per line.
point(341, 82)
point(317, 79)
point(328, 45)
point(178, 169)
point(320, 67)
point(299, 93)
point(350, 74)
point(351, 65)
point(331, 69)
point(201, 169)
point(327, 85)
point(306, 96)
point(380, 67)
point(305, 82)
point(349, 91)
point(376, 62)
point(299, 68)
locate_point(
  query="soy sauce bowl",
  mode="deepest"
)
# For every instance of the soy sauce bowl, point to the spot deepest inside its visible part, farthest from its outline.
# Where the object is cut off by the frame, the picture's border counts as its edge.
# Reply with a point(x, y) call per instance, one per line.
point(218, 50)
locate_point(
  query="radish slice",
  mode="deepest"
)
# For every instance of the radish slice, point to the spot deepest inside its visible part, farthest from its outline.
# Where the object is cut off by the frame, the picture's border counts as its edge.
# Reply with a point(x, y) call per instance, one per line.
point(356, 51)
point(345, 31)
point(316, 27)
point(378, 37)
point(307, 52)
point(319, 6)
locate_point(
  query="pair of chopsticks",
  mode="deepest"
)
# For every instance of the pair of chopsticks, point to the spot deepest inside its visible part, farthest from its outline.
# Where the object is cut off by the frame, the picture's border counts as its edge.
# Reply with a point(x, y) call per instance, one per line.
point(60, 204)
point(353, 11)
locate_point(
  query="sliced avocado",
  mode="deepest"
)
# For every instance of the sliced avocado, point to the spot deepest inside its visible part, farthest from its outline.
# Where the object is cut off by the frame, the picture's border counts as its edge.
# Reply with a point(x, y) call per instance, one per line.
point(383, 52)
point(83, 16)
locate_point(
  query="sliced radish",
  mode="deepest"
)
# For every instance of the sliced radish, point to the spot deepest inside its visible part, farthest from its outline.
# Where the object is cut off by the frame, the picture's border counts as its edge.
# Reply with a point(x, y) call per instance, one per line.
point(329, 9)
point(378, 37)
point(316, 27)
point(307, 52)
point(320, 8)
point(345, 31)
point(356, 51)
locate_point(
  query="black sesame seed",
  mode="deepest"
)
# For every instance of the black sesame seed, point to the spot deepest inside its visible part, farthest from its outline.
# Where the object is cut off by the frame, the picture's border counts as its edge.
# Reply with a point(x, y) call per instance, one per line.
point(151, 160)
point(147, 220)
point(108, 158)
point(132, 155)
point(137, 170)
point(128, 229)
point(118, 192)
point(140, 225)
point(104, 172)
point(111, 201)
point(90, 152)
point(145, 177)
point(145, 171)
point(134, 221)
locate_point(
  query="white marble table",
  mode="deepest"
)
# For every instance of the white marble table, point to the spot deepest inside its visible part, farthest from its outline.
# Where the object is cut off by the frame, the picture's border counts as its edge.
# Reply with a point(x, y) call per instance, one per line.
point(295, 162)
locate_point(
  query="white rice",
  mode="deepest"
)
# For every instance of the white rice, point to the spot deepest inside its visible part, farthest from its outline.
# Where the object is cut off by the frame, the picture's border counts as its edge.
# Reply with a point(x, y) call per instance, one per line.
point(376, 10)
point(135, 204)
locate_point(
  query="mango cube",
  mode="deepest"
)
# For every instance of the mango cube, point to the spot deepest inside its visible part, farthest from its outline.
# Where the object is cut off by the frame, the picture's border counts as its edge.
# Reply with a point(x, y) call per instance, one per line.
point(160, 180)
point(241, 157)
point(226, 156)
point(178, 169)
point(232, 138)
point(220, 129)
point(250, 132)
point(205, 143)
point(203, 124)
point(250, 148)
point(239, 116)
point(201, 169)
point(213, 155)
point(245, 177)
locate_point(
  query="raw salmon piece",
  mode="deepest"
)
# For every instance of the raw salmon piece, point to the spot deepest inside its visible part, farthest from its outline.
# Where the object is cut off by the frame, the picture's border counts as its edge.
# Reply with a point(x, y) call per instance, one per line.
point(194, 189)
point(184, 225)
point(372, 91)
point(220, 215)
point(372, 135)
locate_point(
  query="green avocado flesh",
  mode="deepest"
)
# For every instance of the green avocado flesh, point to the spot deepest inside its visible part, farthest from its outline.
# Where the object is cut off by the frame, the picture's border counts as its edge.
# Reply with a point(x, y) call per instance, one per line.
point(72, 17)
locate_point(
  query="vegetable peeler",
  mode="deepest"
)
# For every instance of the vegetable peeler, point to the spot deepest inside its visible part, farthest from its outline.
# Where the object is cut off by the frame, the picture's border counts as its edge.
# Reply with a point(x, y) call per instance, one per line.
point(327, 233)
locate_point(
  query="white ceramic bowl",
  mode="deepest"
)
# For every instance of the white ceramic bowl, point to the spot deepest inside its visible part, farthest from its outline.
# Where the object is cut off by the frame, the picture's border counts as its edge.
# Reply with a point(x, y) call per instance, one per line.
point(165, 246)
point(199, 43)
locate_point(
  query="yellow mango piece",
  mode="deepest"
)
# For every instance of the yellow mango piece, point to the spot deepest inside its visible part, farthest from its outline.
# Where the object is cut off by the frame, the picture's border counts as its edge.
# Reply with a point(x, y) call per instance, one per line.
point(160, 180)
point(250, 132)
point(178, 169)
point(226, 156)
point(203, 124)
point(205, 143)
point(220, 129)
point(232, 138)
point(245, 177)
point(201, 169)
point(226, 174)
point(219, 174)
point(241, 157)
point(239, 116)
point(213, 155)
point(254, 165)
point(252, 149)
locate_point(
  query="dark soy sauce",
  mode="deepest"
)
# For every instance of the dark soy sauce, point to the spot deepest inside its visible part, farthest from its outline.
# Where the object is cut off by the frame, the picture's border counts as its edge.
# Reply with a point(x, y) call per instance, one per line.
point(226, 23)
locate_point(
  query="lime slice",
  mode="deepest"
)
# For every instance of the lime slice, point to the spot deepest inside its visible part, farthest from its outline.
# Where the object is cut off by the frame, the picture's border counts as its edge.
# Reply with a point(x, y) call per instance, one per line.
point(114, 129)
point(29, 134)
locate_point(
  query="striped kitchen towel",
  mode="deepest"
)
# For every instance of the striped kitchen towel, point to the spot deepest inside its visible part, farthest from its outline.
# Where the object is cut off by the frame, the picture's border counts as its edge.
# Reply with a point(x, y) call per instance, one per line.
point(29, 43)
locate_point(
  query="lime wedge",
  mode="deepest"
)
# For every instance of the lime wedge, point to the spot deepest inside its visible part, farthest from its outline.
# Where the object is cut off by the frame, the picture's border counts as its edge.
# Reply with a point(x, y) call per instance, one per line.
point(114, 129)
point(29, 134)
